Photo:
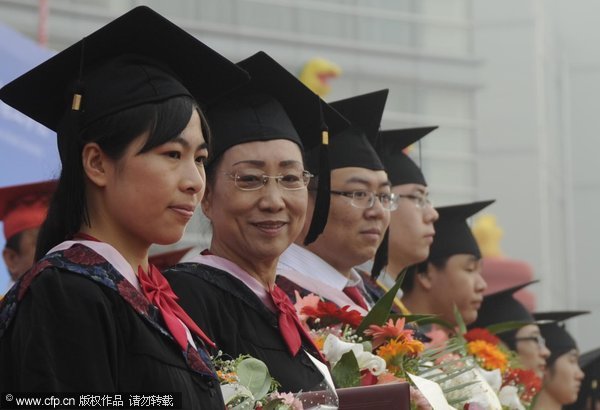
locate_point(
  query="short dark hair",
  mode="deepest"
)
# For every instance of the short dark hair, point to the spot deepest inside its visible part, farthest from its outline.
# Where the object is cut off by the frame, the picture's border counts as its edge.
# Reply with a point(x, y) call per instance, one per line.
point(68, 209)
point(418, 269)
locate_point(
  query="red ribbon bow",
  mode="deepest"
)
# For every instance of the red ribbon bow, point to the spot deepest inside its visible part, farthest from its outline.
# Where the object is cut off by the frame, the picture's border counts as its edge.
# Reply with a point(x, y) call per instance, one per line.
point(353, 293)
point(158, 291)
point(289, 324)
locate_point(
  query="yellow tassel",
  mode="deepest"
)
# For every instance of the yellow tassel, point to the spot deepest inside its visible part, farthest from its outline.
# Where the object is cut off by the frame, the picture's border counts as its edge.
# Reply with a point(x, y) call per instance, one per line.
point(325, 138)
point(76, 102)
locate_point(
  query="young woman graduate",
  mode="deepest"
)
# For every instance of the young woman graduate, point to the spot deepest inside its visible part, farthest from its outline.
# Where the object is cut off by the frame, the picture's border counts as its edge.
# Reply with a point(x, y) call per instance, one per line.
point(563, 376)
point(256, 199)
point(92, 315)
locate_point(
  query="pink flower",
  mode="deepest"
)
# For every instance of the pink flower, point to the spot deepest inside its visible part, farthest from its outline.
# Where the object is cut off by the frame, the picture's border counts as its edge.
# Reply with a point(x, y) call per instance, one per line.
point(310, 300)
point(438, 338)
point(288, 399)
point(390, 330)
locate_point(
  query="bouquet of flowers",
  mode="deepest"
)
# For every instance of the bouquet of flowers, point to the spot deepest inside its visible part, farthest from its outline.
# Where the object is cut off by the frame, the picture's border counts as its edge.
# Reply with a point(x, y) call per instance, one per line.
point(361, 350)
point(517, 387)
point(246, 385)
point(475, 371)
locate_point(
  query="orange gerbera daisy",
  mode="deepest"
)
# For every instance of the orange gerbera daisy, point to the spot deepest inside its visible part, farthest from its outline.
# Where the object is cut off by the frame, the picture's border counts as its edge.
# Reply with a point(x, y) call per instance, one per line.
point(390, 330)
point(488, 355)
point(398, 347)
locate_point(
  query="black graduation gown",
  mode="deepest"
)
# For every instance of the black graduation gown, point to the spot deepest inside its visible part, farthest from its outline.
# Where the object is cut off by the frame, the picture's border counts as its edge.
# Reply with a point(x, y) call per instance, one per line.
point(62, 331)
point(239, 323)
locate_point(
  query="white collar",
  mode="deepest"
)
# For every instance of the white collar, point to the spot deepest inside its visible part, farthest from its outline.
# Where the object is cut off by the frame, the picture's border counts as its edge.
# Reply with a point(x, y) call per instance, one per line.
point(302, 260)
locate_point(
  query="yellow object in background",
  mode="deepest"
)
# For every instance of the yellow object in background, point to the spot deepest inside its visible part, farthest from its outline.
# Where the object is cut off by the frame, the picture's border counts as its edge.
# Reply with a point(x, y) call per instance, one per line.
point(488, 235)
point(316, 74)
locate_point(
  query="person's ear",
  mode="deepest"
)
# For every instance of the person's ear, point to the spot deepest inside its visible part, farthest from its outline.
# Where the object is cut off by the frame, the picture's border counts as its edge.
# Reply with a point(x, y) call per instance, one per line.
point(96, 164)
point(207, 199)
point(424, 279)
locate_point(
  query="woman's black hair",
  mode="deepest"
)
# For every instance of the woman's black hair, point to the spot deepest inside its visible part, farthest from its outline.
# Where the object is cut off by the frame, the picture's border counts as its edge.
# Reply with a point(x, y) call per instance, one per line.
point(68, 208)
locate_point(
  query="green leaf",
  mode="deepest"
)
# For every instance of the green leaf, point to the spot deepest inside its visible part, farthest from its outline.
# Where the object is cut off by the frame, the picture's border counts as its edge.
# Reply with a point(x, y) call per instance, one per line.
point(381, 311)
point(462, 328)
point(346, 372)
point(254, 374)
point(506, 326)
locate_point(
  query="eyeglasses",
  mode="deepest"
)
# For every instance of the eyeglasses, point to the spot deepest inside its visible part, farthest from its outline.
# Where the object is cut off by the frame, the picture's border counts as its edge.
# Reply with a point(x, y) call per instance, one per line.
point(421, 202)
point(541, 342)
point(366, 199)
point(253, 180)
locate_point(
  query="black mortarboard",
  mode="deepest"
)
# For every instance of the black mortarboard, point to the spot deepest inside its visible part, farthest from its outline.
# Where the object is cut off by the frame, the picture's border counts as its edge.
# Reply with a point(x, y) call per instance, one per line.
point(401, 169)
point(558, 340)
point(452, 233)
point(276, 105)
point(355, 146)
point(144, 58)
point(500, 307)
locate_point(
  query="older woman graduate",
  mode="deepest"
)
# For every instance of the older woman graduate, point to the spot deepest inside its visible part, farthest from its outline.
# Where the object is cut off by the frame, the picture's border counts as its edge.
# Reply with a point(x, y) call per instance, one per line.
point(93, 315)
point(256, 200)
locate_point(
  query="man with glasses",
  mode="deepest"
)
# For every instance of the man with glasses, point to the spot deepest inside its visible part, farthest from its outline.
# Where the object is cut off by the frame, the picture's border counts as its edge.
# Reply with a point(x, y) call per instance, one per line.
point(359, 213)
point(411, 226)
point(451, 275)
point(527, 340)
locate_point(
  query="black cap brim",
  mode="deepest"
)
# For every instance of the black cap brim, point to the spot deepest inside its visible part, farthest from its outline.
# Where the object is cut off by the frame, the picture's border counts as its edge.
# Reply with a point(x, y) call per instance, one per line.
point(42, 93)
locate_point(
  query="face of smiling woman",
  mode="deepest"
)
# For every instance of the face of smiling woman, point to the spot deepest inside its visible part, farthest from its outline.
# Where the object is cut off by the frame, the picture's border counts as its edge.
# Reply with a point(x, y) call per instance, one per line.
point(148, 197)
point(255, 226)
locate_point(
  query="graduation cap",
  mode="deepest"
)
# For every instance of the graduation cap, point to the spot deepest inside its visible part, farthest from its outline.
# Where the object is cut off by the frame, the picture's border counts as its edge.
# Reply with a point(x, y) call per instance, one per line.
point(558, 340)
point(25, 206)
point(401, 169)
point(452, 233)
point(276, 105)
point(139, 58)
point(353, 147)
point(500, 307)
